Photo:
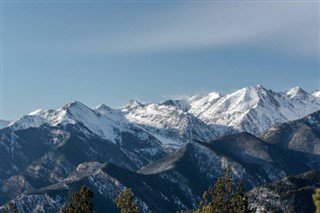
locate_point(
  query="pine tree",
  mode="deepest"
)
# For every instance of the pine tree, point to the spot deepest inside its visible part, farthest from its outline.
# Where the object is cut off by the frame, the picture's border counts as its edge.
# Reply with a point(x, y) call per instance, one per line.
point(224, 197)
point(125, 201)
point(11, 208)
point(240, 202)
point(316, 200)
point(81, 202)
point(222, 193)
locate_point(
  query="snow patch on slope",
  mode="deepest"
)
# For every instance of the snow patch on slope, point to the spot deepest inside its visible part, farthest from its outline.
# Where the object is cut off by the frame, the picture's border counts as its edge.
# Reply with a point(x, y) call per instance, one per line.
point(316, 93)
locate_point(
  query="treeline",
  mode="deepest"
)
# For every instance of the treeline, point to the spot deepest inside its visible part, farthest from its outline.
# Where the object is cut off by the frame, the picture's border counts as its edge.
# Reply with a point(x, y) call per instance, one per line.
point(225, 196)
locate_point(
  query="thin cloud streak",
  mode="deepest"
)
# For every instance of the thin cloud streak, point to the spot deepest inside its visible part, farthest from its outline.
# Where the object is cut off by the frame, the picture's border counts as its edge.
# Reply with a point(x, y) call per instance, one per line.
point(287, 27)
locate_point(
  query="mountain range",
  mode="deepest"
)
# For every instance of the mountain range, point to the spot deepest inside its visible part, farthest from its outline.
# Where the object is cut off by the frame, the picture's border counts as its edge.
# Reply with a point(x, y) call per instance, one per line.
point(202, 117)
point(167, 152)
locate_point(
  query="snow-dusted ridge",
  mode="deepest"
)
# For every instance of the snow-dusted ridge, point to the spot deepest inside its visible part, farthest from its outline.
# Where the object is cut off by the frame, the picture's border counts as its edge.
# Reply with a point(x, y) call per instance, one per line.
point(71, 113)
point(254, 109)
point(203, 117)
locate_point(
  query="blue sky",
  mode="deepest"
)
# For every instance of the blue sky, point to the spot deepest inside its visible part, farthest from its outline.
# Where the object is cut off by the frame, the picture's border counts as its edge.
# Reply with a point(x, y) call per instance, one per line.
point(110, 52)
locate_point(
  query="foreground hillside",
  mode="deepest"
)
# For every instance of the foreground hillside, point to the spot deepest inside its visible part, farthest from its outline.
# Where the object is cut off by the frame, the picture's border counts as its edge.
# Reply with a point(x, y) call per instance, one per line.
point(291, 194)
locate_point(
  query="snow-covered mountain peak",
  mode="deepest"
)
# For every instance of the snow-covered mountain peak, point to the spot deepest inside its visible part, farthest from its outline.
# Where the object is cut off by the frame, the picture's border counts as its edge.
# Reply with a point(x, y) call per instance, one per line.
point(113, 114)
point(296, 91)
point(316, 93)
point(131, 105)
point(197, 97)
point(205, 98)
point(170, 124)
point(37, 112)
point(72, 113)
point(203, 117)
point(244, 98)
point(254, 109)
point(227, 110)
point(77, 111)
point(194, 101)
point(155, 115)
point(178, 104)
point(246, 94)
point(254, 89)
point(74, 104)
point(261, 87)
point(102, 107)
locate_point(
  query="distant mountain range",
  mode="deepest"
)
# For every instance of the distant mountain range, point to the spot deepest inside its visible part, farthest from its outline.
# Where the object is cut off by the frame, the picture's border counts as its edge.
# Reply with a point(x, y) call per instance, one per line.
point(202, 117)
point(167, 152)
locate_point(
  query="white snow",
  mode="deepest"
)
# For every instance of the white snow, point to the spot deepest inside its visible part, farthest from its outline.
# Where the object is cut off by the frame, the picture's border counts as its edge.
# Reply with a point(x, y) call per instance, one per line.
point(203, 117)
point(113, 114)
point(316, 93)
point(72, 113)
point(254, 109)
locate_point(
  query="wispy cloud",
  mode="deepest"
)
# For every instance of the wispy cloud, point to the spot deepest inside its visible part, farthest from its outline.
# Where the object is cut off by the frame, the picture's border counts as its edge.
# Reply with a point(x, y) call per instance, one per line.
point(288, 27)
point(291, 27)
